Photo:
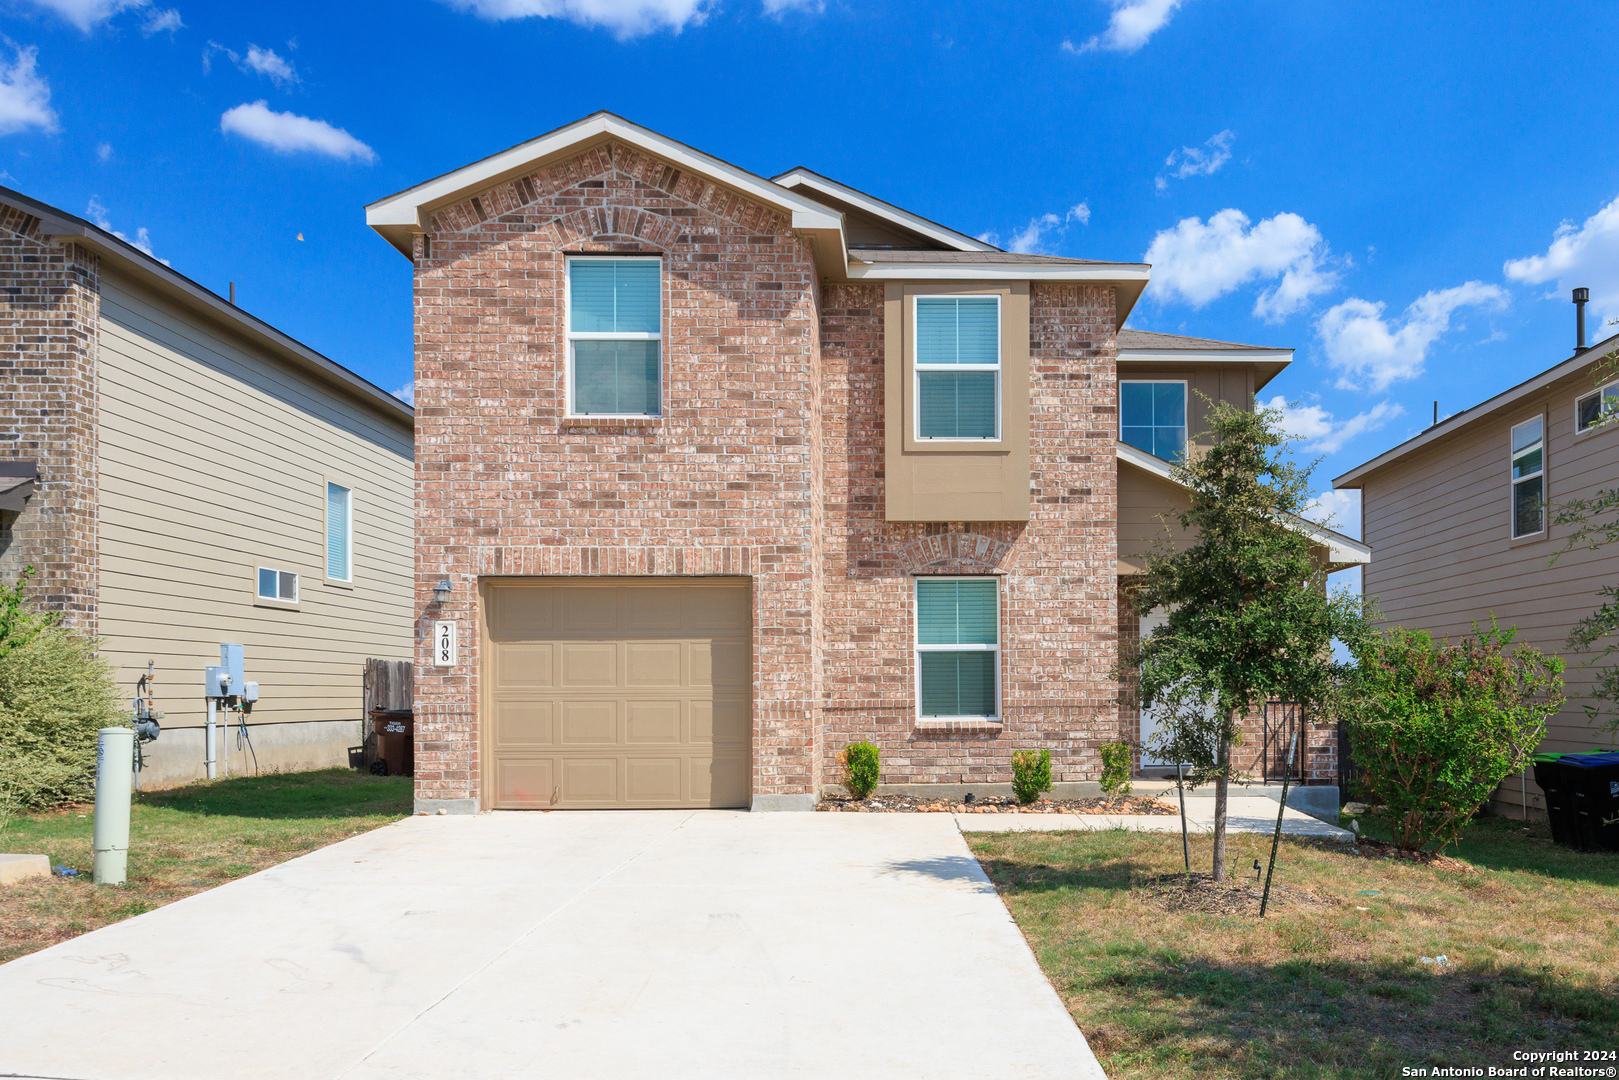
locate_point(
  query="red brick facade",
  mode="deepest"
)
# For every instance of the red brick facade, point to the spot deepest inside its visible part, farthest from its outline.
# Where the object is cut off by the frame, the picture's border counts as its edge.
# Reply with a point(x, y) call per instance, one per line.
point(49, 318)
point(767, 462)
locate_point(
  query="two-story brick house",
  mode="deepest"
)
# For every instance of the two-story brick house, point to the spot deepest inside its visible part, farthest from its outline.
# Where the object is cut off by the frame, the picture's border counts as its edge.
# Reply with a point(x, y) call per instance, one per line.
point(721, 473)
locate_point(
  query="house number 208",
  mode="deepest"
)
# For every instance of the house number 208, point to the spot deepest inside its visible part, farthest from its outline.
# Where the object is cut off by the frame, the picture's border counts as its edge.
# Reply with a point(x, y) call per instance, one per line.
point(444, 644)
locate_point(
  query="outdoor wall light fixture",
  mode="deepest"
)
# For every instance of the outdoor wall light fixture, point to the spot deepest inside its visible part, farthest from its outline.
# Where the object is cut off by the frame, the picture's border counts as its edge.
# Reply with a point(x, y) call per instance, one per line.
point(441, 591)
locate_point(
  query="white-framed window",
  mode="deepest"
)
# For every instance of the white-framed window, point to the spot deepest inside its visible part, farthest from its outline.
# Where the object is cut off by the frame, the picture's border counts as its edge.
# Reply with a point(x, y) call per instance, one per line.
point(1528, 477)
point(278, 585)
point(339, 532)
point(958, 648)
point(1152, 416)
point(1596, 408)
point(958, 368)
point(615, 335)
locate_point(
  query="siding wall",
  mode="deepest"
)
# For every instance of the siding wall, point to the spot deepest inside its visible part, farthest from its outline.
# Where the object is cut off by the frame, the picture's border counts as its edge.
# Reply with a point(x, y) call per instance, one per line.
point(1443, 556)
point(213, 463)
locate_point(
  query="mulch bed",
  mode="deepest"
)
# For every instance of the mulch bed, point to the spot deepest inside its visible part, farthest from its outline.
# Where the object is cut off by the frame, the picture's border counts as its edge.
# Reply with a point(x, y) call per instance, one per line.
point(1367, 848)
point(1237, 895)
point(995, 804)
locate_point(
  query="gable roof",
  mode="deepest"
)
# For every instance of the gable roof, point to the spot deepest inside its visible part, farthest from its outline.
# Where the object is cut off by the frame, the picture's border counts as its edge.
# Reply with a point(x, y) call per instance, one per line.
point(829, 190)
point(816, 206)
point(1342, 551)
point(1452, 424)
point(59, 224)
point(1147, 346)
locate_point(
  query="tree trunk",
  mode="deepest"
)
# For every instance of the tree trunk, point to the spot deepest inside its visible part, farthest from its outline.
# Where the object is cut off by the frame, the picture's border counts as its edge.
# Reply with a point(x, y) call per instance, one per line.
point(1220, 790)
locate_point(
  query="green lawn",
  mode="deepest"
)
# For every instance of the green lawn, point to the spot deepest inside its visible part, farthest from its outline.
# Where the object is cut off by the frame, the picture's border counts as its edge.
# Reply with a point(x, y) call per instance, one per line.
point(1329, 989)
point(183, 841)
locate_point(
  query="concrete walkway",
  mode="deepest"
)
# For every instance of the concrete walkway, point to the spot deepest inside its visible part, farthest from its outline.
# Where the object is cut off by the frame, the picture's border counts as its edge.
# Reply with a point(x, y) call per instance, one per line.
point(1253, 813)
point(629, 944)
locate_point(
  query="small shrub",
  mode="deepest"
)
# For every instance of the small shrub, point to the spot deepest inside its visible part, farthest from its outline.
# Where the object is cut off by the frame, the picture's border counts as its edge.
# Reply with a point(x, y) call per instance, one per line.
point(860, 769)
point(1031, 774)
point(1439, 725)
point(1116, 768)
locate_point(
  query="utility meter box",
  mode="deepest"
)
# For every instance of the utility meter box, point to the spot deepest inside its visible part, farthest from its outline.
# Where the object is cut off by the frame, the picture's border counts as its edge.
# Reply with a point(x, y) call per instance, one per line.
point(232, 658)
point(216, 682)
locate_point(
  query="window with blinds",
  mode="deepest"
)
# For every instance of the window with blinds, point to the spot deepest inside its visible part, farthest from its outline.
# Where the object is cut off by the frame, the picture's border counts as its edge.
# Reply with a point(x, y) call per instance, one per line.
point(958, 647)
point(1152, 417)
point(958, 367)
point(615, 323)
point(339, 533)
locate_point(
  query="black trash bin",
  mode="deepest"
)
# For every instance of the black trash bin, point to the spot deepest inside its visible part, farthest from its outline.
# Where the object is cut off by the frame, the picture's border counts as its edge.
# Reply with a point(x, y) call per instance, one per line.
point(1559, 798)
point(1594, 783)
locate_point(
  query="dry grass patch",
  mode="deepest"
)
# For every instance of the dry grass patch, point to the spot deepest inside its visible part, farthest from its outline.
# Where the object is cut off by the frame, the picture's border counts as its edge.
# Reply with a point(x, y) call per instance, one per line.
point(183, 841)
point(1168, 980)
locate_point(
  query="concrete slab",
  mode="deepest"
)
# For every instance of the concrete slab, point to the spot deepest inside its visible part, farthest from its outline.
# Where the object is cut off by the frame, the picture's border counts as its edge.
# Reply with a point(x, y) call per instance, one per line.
point(22, 867)
point(1243, 814)
point(712, 944)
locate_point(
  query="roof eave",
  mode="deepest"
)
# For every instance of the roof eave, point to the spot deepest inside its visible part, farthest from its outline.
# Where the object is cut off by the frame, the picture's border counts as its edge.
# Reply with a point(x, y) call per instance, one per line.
point(932, 230)
point(1267, 363)
point(1127, 279)
point(1343, 553)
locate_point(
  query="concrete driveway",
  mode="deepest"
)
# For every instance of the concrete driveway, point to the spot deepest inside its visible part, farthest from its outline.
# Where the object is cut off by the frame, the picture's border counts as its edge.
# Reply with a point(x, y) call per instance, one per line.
point(614, 944)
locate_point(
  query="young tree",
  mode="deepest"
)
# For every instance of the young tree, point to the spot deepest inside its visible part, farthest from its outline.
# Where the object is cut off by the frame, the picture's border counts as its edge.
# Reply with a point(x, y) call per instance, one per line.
point(1250, 617)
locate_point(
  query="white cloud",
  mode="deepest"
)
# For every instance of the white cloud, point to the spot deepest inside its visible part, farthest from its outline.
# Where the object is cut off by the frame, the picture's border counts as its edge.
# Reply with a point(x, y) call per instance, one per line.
point(104, 151)
point(625, 18)
point(142, 239)
point(25, 97)
point(1317, 429)
point(779, 7)
point(88, 14)
point(1202, 160)
point(1198, 263)
point(407, 393)
point(1133, 22)
point(1338, 509)
point(1587, 254)
point(289, 133)
point(1367, 348)
point(1028, 240)
point(266, 62)
point(160, 19)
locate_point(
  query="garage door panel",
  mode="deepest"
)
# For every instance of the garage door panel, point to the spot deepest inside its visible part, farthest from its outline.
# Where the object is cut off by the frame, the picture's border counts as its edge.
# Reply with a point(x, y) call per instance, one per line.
point(590, 780)
point(590, 723)
point(589, 664)
point(654, 779)
point(652, 663)
point(525, 723)
point(653, 723)
point(619, 693)
point(524, 665)
point(525, 783)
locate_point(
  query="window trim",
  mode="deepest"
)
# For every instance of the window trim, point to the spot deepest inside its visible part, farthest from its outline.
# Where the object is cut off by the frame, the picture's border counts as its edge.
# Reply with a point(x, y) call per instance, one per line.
point(329, 481)
point(917, 648)
point(569, 336)
point(917, 367)
point(1514, 481)
point(1186, 405)
point(260, 600)
point(1602, 423)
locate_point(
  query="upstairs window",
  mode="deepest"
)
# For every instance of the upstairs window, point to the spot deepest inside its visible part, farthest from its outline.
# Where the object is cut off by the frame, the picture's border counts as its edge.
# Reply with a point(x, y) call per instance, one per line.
point(1596, 408)
point(958, 647)
point(1528, 477)
point(615, 324)
point(339, 533)
point(280, 585)
point(1152, 417)
point(958, 367)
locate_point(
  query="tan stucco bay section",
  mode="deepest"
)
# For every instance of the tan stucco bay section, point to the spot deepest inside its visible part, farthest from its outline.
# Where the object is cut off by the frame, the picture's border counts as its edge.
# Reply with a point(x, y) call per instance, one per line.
point(955, 480)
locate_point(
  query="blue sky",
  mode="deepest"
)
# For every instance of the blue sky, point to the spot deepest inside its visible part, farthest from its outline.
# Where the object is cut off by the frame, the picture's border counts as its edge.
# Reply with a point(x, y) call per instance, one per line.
point(1404, 193)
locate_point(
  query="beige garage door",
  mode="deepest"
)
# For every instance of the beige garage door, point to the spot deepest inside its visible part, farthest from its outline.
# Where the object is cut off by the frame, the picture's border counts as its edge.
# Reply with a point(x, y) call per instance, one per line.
point(617, 692)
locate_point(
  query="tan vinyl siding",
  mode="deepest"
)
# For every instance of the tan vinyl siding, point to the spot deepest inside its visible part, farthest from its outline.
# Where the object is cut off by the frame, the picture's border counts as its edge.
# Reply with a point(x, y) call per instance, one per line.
point(1443, 555)
point(213, 462)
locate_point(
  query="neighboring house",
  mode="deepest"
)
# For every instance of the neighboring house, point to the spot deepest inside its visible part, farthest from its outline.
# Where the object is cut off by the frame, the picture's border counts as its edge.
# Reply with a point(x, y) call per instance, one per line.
point(190, 476)
point(1460, 520)
point(718, 474)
